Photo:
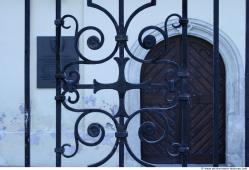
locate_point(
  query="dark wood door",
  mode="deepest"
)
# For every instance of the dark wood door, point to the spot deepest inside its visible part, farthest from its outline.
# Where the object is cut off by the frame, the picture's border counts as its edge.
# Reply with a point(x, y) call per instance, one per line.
point(200, 85)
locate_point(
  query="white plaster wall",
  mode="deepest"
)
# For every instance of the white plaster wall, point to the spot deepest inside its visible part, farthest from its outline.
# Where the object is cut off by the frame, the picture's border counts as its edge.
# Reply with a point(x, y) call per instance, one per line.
point(42, 101)
point(12, 82)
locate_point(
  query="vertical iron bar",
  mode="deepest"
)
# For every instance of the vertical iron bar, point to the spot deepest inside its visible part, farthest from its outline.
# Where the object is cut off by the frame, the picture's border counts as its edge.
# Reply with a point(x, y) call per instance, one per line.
point(216, 78)
point(27, 109)
point(184, 96)
point(121, 96)
point(58, 83)
point(247, 88)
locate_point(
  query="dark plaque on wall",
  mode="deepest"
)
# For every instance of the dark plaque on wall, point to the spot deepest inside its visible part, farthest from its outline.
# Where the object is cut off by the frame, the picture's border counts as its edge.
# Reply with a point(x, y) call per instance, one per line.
point(46, 59)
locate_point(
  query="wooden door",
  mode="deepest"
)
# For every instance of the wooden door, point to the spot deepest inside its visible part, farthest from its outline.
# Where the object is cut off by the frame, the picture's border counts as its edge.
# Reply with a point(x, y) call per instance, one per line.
point(200, 85)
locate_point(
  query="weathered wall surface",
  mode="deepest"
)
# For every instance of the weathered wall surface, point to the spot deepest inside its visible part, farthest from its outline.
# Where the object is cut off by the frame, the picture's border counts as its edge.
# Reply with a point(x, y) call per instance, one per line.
point(42, 100)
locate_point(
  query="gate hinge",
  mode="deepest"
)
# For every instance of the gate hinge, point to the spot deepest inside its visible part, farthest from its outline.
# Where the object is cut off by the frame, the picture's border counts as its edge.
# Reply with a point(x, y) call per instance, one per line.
point(60, 76)
point(60, 150)
point(184, 21)
point(60, 98)
point(59, 22)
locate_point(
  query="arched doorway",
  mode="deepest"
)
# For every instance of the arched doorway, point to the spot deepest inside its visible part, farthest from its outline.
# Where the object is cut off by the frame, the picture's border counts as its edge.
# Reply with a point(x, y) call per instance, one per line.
point(200, 81)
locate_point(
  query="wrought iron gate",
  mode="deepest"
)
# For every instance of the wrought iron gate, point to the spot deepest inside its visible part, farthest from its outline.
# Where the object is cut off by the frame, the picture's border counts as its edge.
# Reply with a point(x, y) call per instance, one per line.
point(67, 83)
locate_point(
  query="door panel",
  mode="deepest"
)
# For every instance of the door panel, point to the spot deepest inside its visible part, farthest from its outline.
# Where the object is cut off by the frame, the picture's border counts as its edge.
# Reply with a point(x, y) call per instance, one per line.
point(200, 85)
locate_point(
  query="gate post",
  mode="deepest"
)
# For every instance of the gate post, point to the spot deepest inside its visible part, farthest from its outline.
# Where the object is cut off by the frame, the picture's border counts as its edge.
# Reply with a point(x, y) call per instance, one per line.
point(121, 55)
point(216, 82)
point(58, 96)
point(247, 89)
point(27, 110)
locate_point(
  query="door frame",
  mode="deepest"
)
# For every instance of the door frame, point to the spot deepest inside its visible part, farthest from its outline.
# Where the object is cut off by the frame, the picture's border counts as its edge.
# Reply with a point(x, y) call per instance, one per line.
point(235, 88)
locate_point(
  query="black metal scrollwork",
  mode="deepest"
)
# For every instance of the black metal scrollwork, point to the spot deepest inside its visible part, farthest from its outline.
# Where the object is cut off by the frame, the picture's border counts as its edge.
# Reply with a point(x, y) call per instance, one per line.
point(71, 82)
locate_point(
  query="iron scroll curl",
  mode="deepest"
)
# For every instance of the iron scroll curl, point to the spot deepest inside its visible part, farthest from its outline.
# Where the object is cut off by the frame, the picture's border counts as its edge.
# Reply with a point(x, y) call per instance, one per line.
point(149, 41)
point(93, 42)
point(94, 130)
